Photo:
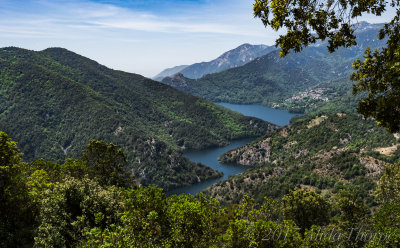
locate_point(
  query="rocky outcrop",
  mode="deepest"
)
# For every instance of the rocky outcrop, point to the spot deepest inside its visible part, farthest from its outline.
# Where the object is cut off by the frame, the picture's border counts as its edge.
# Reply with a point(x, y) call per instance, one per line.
point(177, 81)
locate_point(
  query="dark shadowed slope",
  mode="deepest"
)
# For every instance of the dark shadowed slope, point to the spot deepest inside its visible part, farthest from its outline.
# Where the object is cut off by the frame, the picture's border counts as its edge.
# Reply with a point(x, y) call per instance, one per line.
point(53, 102)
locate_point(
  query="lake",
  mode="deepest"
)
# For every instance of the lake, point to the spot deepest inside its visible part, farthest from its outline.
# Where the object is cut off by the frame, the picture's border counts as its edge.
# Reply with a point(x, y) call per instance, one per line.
point(277, 116)
point(210, 156)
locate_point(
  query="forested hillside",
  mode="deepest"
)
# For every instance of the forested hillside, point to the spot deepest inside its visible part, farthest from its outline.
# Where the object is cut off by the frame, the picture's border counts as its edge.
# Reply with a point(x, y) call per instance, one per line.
point(90, 203)
point(298, 82)
point(94, 157)
point(326, 154)
point(54, 102)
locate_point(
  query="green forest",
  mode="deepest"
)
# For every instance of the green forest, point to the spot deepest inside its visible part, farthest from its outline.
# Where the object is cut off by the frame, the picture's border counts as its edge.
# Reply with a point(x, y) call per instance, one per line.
point(89, 155)
point(54, 102)
point(91, 202)
point(326, 154)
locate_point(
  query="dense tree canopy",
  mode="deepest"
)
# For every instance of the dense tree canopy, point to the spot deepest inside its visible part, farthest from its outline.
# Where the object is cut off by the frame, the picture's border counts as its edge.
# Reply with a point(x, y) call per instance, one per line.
point(305, 208)
point(308, 21)
point(46, 204)
point(106, 164)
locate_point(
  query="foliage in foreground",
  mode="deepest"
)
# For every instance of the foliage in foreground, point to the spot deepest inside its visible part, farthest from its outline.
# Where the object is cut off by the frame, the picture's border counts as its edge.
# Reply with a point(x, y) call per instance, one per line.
point(45, 204)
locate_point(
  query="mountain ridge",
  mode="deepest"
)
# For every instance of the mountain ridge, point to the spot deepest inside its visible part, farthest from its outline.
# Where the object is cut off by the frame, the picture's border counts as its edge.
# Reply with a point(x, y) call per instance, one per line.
point(53, 102)
point(230, 59)
point(270, 80)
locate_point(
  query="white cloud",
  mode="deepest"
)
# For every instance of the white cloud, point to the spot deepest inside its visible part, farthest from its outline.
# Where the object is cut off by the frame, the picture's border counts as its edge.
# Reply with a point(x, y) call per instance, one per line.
point(141, 41)
point(155, 25)
point(84, 15)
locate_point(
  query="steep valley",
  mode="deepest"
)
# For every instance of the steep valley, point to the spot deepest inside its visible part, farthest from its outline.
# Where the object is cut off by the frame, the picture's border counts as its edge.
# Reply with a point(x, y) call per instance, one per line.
point(54, 102)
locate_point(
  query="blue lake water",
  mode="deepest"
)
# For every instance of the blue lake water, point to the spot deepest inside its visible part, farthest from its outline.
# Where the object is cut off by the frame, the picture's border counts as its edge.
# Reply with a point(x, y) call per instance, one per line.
point(276, 116)
point(210, 156)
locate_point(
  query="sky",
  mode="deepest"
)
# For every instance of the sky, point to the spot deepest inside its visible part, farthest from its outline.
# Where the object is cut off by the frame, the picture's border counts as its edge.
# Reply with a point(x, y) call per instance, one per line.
point(139, 36)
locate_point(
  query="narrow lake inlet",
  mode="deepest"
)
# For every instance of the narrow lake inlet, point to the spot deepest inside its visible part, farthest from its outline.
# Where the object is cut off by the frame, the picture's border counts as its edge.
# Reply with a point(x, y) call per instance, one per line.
point(210, 156)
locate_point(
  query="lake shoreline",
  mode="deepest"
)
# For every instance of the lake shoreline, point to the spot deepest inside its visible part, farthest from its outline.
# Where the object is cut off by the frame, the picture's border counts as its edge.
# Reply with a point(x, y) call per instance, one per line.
point(209, 156)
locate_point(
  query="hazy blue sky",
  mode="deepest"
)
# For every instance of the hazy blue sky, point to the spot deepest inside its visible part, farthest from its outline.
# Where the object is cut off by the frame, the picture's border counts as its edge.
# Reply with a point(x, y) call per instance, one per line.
point(141, 36)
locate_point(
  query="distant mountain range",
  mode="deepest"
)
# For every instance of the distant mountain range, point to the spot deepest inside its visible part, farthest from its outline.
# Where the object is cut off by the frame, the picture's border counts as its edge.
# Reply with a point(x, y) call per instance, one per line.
point(231, 59)
point(54, 102)
point(274, 81)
